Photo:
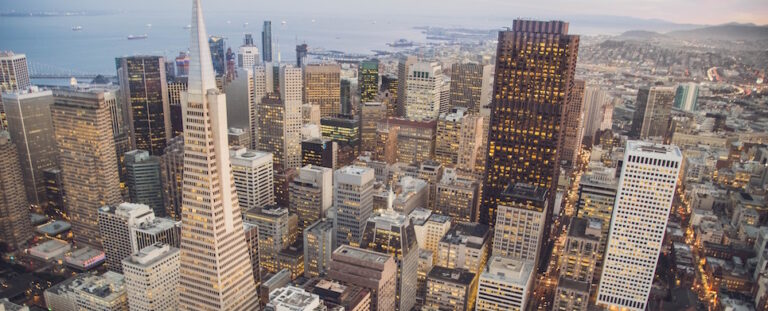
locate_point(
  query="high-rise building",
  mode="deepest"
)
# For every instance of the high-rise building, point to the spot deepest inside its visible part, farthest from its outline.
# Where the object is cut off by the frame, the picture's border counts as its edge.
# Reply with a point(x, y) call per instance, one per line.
point(415, 140)
point(318, 247)
point(266, 42)
point(335, 294)
point(152, 278)
point(14, 75)
point(207, 282)
point(311, 194)
point(465, 246)
point(322, 84)
point(104, 292)
point(254, 177)
point(301, 54)
point(527, 117)
point(28, 114)
point(279, 130)
point(54, 193)
point(422, 88)
point(458, 139)
point(389, 86)
point(470, 86)
point(346, 96)
point(321, 152)
point(374, 271)
point(218, 56)
point(115, 223)
point(597, 107)
point(144, 182)
point(151, 230)
point(294, 299)
point(345, 130)
point(686, 96)
point(248, 54)
point(87, 157)
point(173, 176)
point(353, 200)
point(652, 112)
point(240, 98)
point(182, 64)
point(403, 69)
point(144, 91)
point(392, 233)
point(570, 143)
point(175, 87)
point(15, 226)
point(457, 196)
point(644, 197)
point(520, 224)
point(277, 230)
point(368, 80)
point(371, 114)
point(429, 228)
point(597, 196)
point(577, 264)
point(450, 289)
point(505, 285)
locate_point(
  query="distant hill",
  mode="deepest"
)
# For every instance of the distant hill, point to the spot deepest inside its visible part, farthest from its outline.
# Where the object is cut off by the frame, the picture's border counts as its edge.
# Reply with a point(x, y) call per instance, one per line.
point(641, 35)
point(728, 32)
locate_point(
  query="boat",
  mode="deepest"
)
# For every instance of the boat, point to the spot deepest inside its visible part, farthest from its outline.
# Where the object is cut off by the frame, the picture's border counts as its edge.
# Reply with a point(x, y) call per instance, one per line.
point(402, 43)
point(77, 28)
point(137, 37)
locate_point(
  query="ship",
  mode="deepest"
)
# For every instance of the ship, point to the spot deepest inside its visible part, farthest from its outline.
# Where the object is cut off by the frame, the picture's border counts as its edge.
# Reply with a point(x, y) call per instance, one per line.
point(137, 37)
point(402, 43)
point(77, 28)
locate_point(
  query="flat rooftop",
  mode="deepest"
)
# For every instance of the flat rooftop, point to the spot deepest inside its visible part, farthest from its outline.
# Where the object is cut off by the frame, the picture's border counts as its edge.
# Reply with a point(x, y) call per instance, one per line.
point(458, 276)
point(55, 227)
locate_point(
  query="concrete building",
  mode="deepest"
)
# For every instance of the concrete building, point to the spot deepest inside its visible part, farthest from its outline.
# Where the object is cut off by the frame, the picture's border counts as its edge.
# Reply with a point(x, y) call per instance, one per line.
point(686, 97)
point(335, 295)
point(248, 56)
point(465, 246)
point(577, 264)
point(597, 196)
point(392, 233)
point(457, 196)
point(105, 292)
point(278, 229)
point(520, 224)
point(318, 247)
point(415, 140)
point(371, 114)
point(152, 278)
point(173, 176)
point(423, 85)
point(322, 86)
point(429, 228)
point(470, 86)
point(115, 223)
point(368, 80)
point(403, 71)
point(411, 193)
point(649, 172)
point(254, 177)
point(353, 202)
point(28, 114)
point(211, 210)
point(294, 299)
point(151, 230)
point(279, 129)
point(143, 180)
point(570, 145)
point(450, 289)
point(15, 225)
point(371, 270)
point(321, 152)
point(505, 285)
point(311, 194)
point(14, 75)
point(598, 108)
point(82, 125)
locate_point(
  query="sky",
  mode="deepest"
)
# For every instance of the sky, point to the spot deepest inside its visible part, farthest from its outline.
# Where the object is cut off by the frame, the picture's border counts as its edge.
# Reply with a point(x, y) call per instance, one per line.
point(702, 12)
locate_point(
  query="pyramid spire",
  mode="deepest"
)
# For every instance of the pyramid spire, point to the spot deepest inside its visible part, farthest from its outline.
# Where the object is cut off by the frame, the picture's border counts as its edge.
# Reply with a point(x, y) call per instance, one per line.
point(201, 75)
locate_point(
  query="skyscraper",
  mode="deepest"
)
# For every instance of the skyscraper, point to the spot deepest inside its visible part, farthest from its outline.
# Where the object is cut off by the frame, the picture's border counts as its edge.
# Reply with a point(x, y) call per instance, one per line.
point(597, 107)
point(644, 197)
point(266, 42)
point(279, 131)
point(577, 264)
point(115, 223)
point(505, 284)
point(597, 196)
point(343, 129)
point(254, 177)
point(318, 247)
point(54, 192)
point(686, 97)
point(353, 199)
point(14, 75)
point(371, 114)
point(215, 269)
point(15, 226)
point(144, 182)
point(371, 270)
point(311, 194)
point(526, 113)
point(301, 54)
point(570, 143)
point(520, 224)
point(368, 80)
point(423, 85)
point(277, 230)
point(322, 83)
point(175, 87)
point(87, 156)
point(458, 138)
point(319, 151)
point(240, 99)
point(469, 87)
point(457, 196)
point(144, 91)
point(403, 68)
point(173, 176)
point(652, 112)
point(151, 278)
point(29, 123)
point(182, 64)
point(218, 56)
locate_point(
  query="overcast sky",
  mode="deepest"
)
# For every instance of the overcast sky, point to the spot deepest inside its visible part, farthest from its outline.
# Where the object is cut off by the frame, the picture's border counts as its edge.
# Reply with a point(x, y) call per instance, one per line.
point(678, 11)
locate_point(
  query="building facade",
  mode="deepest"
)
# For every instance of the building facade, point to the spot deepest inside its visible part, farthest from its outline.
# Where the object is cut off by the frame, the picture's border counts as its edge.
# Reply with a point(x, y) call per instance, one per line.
point(353, 200)
point(15, 226)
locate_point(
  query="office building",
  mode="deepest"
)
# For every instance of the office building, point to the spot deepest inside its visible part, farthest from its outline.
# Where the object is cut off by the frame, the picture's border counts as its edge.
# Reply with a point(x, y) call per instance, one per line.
point(344, 129)
point(385, 149)
point(115, 223)
point(54, 193)
point(321, 152)
point(371, 114)
point(322, 83)
point(143, 180)
point(505, 284)
point(470, 86)
point(337, 295)
point(653, 108)
point(423, 85)
point(465, 246)
point(686, 97)
point(415, 140)
point(597, 109)
point(291, 258)
point(206, 282)
point(104, 292)
point(87, 158)
point(374, 271)
point(302, 50)
point(403, 69)
point(175, 87)
point(520, 224)
point(14, 75)
point(458, 139)
point(182, 64)
point(218, 56)
point(28, 116)
point(597, 196)
point(570, 145)
point(429, 228)
point(279, 131)
point(254, 177)
point(173, 176)
point(248, 55)
point(278, 229)
point(15, 226)
point(266, 42)
point(644, 197)
point(294, 299)
point(392, 233)
point(238, 137)
point(368, 80)
point(457, 196)
point(318, 247)
point(151, 230)
point(353, 200)
point(450, 289)
point(144, 92)
point(283, 180)
point(240, 99)
point(519, 150)
point(311, 194)
point(152, 278)
point(577, 264)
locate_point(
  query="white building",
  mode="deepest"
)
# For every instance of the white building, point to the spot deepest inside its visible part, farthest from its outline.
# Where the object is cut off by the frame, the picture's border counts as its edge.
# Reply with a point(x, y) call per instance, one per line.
point(291, 92)
point(291, 298)
point(520, 223)
point(318, 248)
point(248, 56)
point(505, 285)
point(254, 177)
point(644, 199)
point(429, 228)
point(105, 292)
point(423, 86)
point(311, 194)
point(152, 278)
point(115, 223)
point(353, 202)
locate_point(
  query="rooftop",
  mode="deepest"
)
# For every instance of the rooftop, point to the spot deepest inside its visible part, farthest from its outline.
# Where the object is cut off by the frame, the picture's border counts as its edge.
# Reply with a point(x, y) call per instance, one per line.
point(456, 275)
point(509, 270)
point(151, 254)
point(526, 192)
point(362, 254)
point(55, 227)
point(586, 228)
point(471, 234)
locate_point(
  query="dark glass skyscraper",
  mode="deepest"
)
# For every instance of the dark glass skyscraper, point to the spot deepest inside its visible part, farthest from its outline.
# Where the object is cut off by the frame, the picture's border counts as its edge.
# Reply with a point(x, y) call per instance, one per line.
point(368, 80)
point(535, 65)
point(266, 42)
point(218, 55)
point(301, 54)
